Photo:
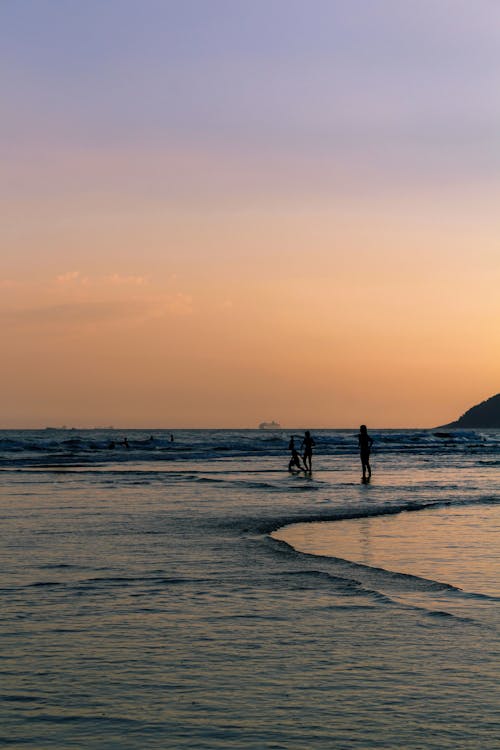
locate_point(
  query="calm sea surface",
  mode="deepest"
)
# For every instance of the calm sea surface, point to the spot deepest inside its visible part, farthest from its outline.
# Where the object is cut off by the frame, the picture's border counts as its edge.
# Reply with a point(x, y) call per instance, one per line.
point(194, 594)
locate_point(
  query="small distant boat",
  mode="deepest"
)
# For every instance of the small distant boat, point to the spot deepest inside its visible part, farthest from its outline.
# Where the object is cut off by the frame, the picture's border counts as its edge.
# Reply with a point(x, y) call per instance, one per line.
point(270, 426)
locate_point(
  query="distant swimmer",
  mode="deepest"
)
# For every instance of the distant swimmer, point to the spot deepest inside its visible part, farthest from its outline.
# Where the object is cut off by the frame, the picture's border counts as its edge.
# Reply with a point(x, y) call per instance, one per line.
point(307, 445)
point(365, 443)
point(125, 443)
point(294, 460)
point(171, 438)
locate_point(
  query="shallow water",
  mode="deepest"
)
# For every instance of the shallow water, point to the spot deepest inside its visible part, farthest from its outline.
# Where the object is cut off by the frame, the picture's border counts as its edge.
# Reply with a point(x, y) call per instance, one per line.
point(455, 545)
point(144, 603)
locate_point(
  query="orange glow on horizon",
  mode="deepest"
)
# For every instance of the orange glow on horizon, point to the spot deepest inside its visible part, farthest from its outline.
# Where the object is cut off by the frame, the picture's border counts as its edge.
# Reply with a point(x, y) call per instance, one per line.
point(229, 216)
point(330, 323)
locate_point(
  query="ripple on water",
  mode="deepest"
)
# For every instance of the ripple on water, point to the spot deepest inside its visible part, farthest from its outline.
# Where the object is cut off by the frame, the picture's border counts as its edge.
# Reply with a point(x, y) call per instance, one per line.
point(453, 545)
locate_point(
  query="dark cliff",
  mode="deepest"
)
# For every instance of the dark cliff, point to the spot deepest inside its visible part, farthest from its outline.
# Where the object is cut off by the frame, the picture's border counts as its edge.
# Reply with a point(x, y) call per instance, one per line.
point(483, 416)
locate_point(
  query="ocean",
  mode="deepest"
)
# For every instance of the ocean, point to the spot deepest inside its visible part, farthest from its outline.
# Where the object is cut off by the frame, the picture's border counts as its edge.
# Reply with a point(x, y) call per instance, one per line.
point(195, 594)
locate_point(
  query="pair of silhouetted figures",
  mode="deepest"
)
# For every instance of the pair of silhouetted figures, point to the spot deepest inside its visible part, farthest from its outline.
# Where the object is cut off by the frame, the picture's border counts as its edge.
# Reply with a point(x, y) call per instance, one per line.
point(306, 446)
point(365, 443)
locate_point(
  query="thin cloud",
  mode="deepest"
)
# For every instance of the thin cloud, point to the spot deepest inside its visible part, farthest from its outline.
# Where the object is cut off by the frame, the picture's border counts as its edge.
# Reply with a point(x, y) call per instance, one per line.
point(179, 304)
point(68, 277)
point(120, 280)
point(75, 313)
point(124, 311)
point(114, 279)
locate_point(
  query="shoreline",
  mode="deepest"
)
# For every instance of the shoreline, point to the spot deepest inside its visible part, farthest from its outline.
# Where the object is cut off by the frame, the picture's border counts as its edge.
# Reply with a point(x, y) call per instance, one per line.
point(430, 543)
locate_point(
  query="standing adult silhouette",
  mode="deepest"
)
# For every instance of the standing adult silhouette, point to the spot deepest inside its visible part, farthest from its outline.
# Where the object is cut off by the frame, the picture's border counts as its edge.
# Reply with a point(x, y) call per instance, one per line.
point(365, 443)
point(307, 445)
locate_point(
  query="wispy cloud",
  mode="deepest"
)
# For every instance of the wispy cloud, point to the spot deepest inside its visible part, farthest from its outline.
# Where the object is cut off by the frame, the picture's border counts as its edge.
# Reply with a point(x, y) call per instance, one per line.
point(74, 313)
point(113, 279)
point(69, 277)
point(179, 304)
point(74, 300)
point(118, 279)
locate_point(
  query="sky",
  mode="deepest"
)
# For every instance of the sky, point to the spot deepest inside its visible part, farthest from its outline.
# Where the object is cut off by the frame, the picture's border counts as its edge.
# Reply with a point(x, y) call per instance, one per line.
point(219, 213)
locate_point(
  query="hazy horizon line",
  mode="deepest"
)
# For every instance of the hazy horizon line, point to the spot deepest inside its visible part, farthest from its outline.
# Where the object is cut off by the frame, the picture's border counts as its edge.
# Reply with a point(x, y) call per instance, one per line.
point(212, 428)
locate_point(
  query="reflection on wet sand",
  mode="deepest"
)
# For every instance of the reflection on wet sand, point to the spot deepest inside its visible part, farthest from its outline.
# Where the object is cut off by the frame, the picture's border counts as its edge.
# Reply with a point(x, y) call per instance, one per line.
point(458, 546)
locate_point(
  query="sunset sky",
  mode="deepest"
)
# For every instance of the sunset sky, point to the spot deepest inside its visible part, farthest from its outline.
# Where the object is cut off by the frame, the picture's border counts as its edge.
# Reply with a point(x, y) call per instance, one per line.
point(226, 211)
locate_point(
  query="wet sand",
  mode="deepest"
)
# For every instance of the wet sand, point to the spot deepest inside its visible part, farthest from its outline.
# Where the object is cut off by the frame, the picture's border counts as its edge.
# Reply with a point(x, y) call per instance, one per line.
point(453, 545)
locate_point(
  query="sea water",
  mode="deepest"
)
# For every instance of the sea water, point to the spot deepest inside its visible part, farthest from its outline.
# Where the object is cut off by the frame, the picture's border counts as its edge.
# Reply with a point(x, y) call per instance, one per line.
point(155, 596)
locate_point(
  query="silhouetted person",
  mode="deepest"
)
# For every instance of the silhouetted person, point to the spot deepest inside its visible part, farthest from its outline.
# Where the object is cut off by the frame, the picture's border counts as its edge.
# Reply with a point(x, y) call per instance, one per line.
point(171, 438)
point(365, 443)
point(307, 445)
point(294, 460)
point(125, 443)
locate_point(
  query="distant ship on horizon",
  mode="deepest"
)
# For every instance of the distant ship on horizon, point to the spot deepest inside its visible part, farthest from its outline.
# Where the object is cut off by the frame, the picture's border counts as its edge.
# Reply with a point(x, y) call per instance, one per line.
point(270, 426)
